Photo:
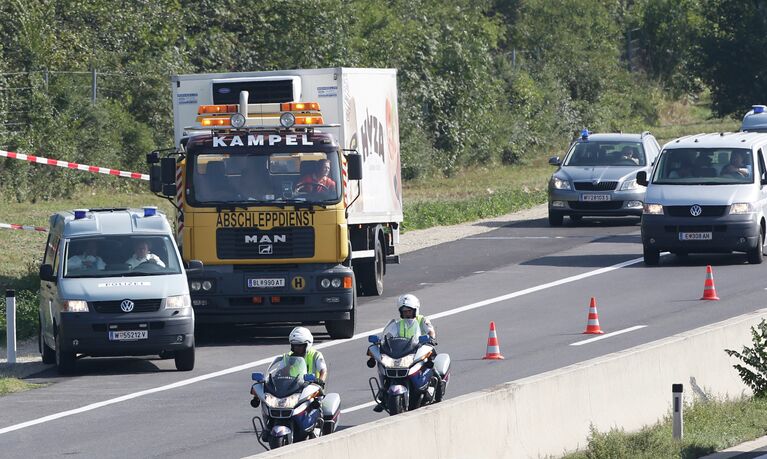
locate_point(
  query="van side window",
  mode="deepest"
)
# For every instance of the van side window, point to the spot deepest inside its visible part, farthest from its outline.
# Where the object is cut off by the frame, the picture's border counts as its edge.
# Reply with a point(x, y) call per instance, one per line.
point(51, 252)
point(762, 169)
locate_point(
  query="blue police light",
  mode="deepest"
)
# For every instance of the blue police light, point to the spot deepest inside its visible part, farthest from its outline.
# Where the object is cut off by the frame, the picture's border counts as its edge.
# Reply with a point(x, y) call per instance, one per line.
point(585, 134)
point(80, 213)
point(758, 109)
point(150, 211)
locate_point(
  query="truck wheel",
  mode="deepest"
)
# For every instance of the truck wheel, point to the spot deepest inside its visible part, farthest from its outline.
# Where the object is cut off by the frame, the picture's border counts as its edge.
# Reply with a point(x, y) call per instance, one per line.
point(556, 218)
point(343, 329)
point(65, 361)
point(371, 274)
point(756, 255)
point(185, 359)
point(651, 256)
point(48, 354)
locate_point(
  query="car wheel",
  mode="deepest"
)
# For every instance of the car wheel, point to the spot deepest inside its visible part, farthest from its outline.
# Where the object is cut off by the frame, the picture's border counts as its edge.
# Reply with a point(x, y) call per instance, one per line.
point(556, 218)
point(756, 255)
point(651, 256)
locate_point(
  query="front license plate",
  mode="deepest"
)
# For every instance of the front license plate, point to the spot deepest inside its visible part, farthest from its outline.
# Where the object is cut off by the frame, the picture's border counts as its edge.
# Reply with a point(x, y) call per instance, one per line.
point(595, 197)
point(128, 335)
point(266, 283)
point(702, 236)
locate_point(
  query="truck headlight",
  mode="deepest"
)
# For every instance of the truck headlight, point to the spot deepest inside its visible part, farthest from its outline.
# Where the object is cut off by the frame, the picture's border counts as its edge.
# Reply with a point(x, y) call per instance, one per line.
point(75, 306)
point(560, 184)
point(653, 209)
point(178, 302)
point(195, 286)
point(207, 285)
point(741, 208)
point(630, 185)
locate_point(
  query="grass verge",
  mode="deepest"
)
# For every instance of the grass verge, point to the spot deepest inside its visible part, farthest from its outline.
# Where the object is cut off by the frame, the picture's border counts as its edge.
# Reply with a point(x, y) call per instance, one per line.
point(708, 427)
point(12, 385)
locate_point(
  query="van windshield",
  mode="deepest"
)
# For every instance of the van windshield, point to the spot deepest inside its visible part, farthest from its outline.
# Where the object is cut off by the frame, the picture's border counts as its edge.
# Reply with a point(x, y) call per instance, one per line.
point(704, 166)
point(120, 256)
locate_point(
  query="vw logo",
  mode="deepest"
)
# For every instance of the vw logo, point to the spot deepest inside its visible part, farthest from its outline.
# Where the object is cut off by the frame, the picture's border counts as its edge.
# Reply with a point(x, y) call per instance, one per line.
point(595, 182)
point(695, 210)
point(126, 306)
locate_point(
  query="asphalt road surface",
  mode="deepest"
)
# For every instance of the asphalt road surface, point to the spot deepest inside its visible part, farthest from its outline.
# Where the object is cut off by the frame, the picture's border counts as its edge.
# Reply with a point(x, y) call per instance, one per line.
point(534, 281)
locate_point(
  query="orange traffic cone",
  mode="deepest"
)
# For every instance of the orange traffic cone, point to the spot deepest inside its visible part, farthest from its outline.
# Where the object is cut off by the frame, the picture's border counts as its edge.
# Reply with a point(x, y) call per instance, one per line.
point(493, 351)
point(709, 291)
point(592, 326)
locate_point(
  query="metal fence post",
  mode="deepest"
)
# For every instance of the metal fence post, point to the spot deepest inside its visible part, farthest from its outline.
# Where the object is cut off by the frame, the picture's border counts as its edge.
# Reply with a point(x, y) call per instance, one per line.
point(678, 421)
point(10, 324)
point(93, 85)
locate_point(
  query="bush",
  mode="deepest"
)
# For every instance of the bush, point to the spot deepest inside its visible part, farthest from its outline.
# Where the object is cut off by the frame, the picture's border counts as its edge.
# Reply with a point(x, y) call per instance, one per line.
point(26, 315)
point(754, 374)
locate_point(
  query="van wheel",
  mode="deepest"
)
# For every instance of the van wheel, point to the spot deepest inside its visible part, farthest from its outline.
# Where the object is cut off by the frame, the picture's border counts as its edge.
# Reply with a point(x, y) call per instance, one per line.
point(48, 354)
point(556, 218)
point(651, 256)
point(65, 360)
point(756, 255)
point(185, 359)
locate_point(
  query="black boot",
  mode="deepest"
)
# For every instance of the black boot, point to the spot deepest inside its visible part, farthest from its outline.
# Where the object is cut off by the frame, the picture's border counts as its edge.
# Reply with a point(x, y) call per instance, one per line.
point(378, 408)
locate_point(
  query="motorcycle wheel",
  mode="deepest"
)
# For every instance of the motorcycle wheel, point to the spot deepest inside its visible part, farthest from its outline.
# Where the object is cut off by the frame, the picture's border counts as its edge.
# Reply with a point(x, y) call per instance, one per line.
point(277, 442)
point(395, 405)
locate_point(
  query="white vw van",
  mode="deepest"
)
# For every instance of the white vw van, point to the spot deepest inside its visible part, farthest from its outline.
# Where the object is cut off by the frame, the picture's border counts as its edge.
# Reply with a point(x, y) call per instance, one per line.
point(707, 193)
point(112, 284)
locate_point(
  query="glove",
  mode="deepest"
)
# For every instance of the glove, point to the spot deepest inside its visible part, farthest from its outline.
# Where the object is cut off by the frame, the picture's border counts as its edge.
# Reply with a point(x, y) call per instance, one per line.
point(320, 383)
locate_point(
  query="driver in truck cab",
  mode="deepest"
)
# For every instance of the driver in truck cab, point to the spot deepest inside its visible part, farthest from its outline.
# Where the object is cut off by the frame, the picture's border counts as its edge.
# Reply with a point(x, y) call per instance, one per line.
point(141, 254)
point(317, 181)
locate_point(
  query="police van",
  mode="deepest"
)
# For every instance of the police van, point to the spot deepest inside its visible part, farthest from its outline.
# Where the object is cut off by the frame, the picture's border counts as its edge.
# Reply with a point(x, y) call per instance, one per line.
point(112, 284)
point(707, 193)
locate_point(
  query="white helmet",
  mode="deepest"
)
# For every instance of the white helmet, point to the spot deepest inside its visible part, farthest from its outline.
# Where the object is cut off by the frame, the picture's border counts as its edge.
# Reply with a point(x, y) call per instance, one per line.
point(301, 335)
point(408, 301)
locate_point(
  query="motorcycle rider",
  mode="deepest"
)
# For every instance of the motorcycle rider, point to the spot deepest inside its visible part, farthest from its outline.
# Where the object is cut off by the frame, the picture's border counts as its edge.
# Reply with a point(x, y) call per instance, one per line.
point(410, 324)
point(301, 341)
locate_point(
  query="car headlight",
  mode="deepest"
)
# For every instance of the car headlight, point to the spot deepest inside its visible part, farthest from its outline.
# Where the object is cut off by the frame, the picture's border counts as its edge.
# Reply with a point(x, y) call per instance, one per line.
point(75, 306)
point(741, 208)
point(286, 402)
point(178, 302)
point(653, 209)
point(630, 185)
point(560, 184)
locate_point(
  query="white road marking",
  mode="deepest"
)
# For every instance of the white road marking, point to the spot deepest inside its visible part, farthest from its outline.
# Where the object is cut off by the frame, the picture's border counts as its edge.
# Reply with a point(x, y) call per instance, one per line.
point(326, 344)
point(358, 407)
point(607, 335)
point(491, 238)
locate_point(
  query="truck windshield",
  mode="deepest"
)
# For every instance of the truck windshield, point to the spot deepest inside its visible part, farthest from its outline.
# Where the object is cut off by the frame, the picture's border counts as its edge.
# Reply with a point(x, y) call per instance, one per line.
point(606, 153)
point(704, 166)
point(224, 178)
point(120, 255)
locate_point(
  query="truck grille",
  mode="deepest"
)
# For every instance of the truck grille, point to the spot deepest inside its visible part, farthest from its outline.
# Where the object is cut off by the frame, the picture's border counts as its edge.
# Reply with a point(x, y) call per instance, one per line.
point(113, 307)
point(684, 211)
point(247, 243)
point(591, 186)
point(598, 205)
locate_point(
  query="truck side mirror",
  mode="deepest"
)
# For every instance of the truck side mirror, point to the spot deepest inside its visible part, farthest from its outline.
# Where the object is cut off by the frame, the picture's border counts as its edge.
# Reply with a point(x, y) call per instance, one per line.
point(194, 266)
point(642, 178)
point(169, 189)
point(46, 273)
point(168, 166)
point(155, 179)
point(554, 161)
point(354, 166)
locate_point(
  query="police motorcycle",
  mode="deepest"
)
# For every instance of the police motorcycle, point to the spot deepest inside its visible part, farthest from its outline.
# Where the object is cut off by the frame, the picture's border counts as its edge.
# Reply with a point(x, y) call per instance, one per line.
point(292, 404)
point(411, 373)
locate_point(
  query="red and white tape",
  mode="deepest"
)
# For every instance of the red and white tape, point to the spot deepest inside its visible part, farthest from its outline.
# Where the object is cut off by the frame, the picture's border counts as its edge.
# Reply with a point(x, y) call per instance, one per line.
point(69, 165)
point(13, 226)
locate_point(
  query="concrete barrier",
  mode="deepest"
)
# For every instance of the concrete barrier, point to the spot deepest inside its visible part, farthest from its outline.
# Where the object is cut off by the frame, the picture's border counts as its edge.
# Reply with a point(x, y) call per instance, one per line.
point(551, 413)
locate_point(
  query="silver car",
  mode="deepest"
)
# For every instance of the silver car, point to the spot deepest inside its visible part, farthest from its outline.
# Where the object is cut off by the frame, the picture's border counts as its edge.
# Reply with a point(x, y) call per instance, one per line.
point(598, 176)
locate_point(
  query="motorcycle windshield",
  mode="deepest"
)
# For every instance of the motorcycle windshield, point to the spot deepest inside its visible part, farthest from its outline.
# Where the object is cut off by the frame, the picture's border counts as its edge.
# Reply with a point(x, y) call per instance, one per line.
point(397, 347)
point(286, 376)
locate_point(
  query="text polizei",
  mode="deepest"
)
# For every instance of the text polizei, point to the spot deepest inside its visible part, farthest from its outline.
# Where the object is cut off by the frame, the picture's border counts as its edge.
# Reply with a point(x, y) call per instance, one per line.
point(260, 140)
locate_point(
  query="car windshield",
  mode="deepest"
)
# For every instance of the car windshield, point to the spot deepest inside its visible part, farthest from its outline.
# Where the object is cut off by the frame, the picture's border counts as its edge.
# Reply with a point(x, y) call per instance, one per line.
point(120, 256)
point(704, 166)
point(305, 177)
point(606, 153)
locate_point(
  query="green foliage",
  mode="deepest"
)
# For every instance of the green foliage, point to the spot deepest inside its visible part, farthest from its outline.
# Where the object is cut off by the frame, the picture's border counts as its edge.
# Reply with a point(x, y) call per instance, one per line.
point(27, 314)
point(754, 372)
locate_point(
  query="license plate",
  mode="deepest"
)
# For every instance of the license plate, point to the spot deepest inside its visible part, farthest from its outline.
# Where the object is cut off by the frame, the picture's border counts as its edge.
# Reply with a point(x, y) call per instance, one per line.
point(266, 283)
point(702, 236)
point(128, 335)
point(595, 197)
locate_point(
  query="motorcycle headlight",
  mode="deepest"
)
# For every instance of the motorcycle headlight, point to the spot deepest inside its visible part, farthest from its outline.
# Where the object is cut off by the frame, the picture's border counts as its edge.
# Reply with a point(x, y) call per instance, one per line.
point(741, 208)
point(387, 361)
point(403, 362)
point(630, 185)
point(560, 184)
point(276, 402)
point(178, 302)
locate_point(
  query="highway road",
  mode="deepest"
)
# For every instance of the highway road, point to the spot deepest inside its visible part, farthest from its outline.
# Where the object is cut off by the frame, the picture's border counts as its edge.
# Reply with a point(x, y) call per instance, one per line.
point(534, 281)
